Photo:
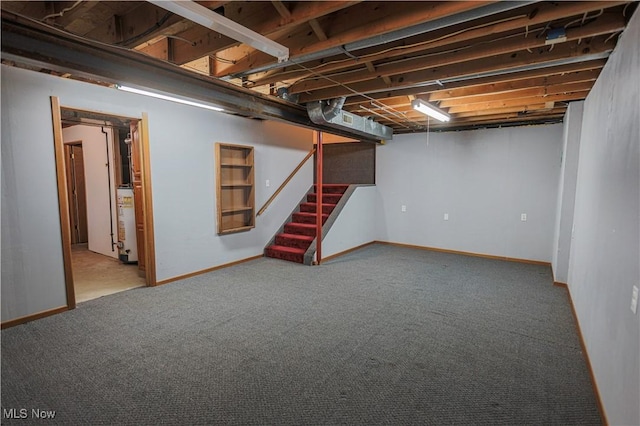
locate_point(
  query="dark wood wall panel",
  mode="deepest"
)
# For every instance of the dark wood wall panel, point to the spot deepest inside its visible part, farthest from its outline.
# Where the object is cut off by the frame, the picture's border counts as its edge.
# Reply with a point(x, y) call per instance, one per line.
point(349, 163)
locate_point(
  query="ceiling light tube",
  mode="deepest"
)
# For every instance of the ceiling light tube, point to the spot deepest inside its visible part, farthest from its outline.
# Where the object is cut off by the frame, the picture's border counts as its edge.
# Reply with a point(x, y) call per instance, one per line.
point(430, 110)
point(167, 98)
point(210, 19)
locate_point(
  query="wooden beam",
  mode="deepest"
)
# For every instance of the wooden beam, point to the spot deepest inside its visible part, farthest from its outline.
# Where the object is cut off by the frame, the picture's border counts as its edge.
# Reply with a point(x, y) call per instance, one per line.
point(370, 67)
point(519, 94)
point(158, 50)
point(139, 23)
point(519, 108)
point(282, 9)
point(535, 15)
point(255, 16)
point(604, 25)
point(574, 96)
point(317, 29)
point(506, 86)
point(598, 45)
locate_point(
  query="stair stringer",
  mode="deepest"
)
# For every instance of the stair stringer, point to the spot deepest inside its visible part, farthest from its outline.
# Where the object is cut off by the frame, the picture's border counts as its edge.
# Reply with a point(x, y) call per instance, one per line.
point(311, 251)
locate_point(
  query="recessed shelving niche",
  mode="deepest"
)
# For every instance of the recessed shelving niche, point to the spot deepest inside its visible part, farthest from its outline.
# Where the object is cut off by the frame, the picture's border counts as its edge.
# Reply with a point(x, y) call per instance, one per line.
point(235, 190)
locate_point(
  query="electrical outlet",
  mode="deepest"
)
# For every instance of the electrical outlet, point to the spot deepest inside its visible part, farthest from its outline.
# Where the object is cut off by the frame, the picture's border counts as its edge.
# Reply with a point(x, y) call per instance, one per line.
point(634, 299)
point(446, 216)
point(403, 208)
point(267, 183)
point(523, 217)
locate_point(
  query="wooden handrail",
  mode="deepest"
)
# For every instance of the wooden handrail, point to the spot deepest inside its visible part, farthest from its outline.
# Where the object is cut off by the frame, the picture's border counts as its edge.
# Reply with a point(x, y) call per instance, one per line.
point(286, 181)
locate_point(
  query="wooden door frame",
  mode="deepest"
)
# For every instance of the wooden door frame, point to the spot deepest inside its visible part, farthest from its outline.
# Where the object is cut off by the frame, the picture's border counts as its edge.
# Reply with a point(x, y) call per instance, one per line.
point(71, 172)
point(63, 197)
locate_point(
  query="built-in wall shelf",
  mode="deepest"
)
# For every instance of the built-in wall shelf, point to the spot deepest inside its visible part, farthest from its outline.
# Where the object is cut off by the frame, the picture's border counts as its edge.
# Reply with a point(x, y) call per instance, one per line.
point(235, 190)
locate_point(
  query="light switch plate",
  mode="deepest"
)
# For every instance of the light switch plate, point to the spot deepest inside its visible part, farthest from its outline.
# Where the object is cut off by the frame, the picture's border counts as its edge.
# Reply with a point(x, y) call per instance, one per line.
point(267, 183)
point(403, 208)
point(634, 299)
point(523, 217)
point(446, 216)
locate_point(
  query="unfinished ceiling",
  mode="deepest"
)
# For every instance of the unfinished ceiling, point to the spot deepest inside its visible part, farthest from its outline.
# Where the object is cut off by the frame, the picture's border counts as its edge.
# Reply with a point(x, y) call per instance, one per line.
point(484, 63)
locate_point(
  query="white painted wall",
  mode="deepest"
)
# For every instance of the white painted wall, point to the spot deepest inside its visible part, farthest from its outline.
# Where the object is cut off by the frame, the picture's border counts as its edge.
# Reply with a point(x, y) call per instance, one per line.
point(567, 192)
point(483, 179)
point(356, 224)
point(32, 269)
point(182, 169)
point(100, 224)
point(605, 254)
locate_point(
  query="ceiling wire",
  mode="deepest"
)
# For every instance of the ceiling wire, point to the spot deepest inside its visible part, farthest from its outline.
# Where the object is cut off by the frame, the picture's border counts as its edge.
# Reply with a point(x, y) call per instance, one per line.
point(175, 37)
point(148, 31)
point(355, 92)
point(62, 12)
point(224, 61)
point(383, 117)
point(584, 18)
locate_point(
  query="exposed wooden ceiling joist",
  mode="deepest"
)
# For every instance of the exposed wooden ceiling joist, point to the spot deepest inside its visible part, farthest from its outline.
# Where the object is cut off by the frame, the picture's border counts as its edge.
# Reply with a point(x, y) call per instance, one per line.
point(499, 63)
point(532, 16)
point(486, 63)
point(365, 20)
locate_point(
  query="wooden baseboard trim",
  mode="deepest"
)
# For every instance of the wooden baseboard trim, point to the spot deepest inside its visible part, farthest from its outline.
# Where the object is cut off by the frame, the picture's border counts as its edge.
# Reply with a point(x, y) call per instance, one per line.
point(342, 253)
point(33, 317)
point(204, 271)
point(466, 253)
point(603, 415)
point(560, 284)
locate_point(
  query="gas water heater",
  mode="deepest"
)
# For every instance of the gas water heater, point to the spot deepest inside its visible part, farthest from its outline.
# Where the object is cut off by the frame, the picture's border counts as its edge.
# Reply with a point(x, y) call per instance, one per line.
point(127, 248)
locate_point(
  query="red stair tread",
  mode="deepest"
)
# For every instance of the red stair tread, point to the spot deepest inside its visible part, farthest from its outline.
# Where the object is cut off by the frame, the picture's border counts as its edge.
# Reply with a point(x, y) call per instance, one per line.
point(311, 207)
point(333, 188)
point(287, 249)
point(300, 228)
point(302, 225)
point(297, 236)
point(327, 196)
point(289, 254)
point(308, 217)
point(311, 214)
point(323, 204)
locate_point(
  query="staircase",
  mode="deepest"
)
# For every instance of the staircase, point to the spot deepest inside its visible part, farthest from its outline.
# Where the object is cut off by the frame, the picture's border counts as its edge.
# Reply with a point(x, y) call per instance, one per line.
point(300, 232)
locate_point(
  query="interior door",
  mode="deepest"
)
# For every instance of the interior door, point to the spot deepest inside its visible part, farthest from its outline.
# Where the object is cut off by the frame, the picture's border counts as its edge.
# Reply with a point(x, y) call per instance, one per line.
point(77, 193)
point(136, 179)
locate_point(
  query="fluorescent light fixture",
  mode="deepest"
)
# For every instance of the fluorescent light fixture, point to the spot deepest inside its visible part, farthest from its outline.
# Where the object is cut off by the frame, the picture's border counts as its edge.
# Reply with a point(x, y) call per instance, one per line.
point(430, 110)
point(167, 98)
point(208, 18)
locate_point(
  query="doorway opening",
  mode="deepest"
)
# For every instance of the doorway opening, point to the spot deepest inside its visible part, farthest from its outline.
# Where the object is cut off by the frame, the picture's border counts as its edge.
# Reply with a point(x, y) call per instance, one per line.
point(105, 216)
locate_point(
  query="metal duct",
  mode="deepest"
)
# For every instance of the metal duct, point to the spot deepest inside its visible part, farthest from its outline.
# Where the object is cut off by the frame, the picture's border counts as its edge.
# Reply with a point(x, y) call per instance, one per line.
point(330, 113)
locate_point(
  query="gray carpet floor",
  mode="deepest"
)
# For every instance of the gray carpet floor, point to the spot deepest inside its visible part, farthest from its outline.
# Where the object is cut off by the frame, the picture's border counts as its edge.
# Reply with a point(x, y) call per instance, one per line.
point(383, 335)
